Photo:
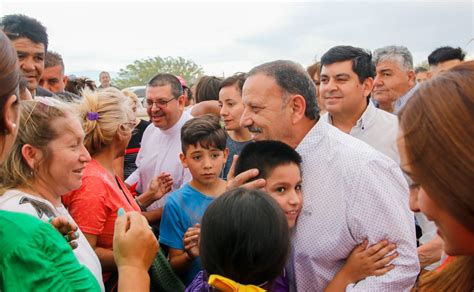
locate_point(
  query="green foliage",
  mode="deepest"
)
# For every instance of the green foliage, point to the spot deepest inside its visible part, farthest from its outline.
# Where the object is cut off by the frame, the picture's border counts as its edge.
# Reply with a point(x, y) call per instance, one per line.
point(423, 64)
point(141, 71)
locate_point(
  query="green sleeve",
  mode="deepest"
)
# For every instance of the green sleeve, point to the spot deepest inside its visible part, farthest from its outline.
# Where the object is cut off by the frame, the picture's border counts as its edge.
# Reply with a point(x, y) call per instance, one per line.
point(35, 257)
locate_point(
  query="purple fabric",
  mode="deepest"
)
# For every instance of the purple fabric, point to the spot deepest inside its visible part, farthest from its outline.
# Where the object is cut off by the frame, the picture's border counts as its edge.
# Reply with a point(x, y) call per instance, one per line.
point(281, 283)
point(199, 284)
point(92, 116)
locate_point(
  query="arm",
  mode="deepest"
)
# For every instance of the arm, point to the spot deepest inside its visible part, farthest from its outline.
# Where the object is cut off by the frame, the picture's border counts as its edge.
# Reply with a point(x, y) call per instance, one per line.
point(206, 107)
point(158, 187)
point(363, 262)
point(180, 260)
point(106, 256)
point(379, 211)
point(153, 216)
point(135, 176)
point(135, 247)
point(430, 252)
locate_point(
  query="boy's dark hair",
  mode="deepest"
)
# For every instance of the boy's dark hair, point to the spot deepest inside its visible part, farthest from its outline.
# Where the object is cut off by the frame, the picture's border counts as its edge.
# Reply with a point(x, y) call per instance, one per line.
point(163, 79)
point(361, 59)
point(237, 80)
point(18, 26)
point(244, 237)
point(265, 156)
point(444, 54)
point(204, 130)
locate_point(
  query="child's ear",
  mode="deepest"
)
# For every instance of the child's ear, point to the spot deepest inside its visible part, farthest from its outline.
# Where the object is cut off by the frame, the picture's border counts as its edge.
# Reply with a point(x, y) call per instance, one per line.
point(182, 157)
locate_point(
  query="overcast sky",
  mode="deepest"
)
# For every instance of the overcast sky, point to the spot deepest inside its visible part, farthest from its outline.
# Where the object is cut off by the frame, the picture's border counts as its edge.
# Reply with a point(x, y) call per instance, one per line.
point(228, 37)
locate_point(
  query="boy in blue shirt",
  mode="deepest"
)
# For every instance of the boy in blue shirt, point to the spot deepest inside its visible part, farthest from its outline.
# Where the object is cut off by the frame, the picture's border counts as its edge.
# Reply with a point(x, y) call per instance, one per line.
point(203, 144)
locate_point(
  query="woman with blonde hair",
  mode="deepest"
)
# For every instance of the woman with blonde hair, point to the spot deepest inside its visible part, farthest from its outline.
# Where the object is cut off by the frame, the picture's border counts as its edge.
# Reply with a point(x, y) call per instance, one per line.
point(436, 141)
point(108, 124)
point(125, 165)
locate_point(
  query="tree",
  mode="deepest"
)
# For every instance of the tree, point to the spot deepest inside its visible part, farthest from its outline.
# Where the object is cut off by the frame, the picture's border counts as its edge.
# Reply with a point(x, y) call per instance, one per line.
point(423, 64)
point(141, 71)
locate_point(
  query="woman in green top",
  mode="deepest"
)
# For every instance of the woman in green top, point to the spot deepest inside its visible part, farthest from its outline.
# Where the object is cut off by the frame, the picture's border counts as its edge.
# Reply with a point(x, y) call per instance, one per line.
point(33, 255)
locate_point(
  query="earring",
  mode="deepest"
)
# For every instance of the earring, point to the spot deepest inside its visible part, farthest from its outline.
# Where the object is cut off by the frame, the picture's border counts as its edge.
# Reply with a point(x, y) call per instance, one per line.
point(13, 125)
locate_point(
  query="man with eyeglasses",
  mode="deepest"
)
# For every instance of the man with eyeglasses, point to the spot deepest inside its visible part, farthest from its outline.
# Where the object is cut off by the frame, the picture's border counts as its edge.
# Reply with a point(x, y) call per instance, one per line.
point(158, 163)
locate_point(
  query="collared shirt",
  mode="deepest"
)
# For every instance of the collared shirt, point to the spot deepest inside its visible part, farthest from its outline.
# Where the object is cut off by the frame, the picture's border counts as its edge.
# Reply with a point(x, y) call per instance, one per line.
point(351, 193)
point(159, 153)
point(377, 128)
point(400, 103)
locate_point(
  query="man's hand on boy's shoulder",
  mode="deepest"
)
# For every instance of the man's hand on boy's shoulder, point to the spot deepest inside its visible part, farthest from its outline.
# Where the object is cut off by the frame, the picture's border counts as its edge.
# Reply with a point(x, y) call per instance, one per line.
point(243, 179)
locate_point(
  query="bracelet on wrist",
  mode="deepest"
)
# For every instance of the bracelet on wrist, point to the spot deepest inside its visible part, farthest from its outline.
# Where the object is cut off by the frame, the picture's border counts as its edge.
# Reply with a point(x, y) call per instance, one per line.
point(140, 205)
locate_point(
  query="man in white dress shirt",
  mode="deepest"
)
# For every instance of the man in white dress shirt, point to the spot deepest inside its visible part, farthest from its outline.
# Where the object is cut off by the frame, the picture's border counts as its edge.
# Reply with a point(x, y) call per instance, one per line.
point(161, 141)
point(346, 82)
point(351, 191)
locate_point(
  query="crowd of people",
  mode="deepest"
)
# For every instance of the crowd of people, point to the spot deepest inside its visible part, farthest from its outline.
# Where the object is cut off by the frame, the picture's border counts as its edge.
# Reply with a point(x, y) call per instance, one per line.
point(353, 174)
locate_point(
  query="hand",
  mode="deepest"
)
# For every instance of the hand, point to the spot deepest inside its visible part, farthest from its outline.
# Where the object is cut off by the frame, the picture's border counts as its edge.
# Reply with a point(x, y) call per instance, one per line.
point(160, 185)
point(67, 229)
point(430, 252)
point(191, 241)
point(135, 245)
point(373, 261)
point(242, 179)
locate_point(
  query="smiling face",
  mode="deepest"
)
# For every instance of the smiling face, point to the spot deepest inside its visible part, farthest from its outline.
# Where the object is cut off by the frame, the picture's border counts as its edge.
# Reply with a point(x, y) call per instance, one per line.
point(204, 164)
point(457, 238)
point(284, 185)
point(31, 58)
point(165, 116)
point(68, 157)
point(230, 101)
point(265, 114)
point(341, 90)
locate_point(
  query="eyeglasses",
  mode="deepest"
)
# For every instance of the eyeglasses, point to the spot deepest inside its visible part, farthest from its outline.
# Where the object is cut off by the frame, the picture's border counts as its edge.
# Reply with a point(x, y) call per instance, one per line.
point(162, 103)
point(128, 126)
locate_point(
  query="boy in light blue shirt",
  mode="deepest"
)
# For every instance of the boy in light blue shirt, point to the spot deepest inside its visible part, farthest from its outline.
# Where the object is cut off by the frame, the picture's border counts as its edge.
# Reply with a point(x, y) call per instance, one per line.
point(204, 152)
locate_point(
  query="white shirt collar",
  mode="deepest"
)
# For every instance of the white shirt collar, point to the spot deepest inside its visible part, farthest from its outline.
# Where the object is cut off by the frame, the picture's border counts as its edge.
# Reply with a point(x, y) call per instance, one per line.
point(366, 119)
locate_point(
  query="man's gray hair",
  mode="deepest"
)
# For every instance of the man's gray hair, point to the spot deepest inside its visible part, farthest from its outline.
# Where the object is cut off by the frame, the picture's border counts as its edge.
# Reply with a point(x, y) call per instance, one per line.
point(54, 59)
point(400, 54)
point(292, 78)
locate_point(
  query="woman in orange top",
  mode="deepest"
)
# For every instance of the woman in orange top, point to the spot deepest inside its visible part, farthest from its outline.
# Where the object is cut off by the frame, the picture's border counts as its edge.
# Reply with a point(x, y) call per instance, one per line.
point(108, 123)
